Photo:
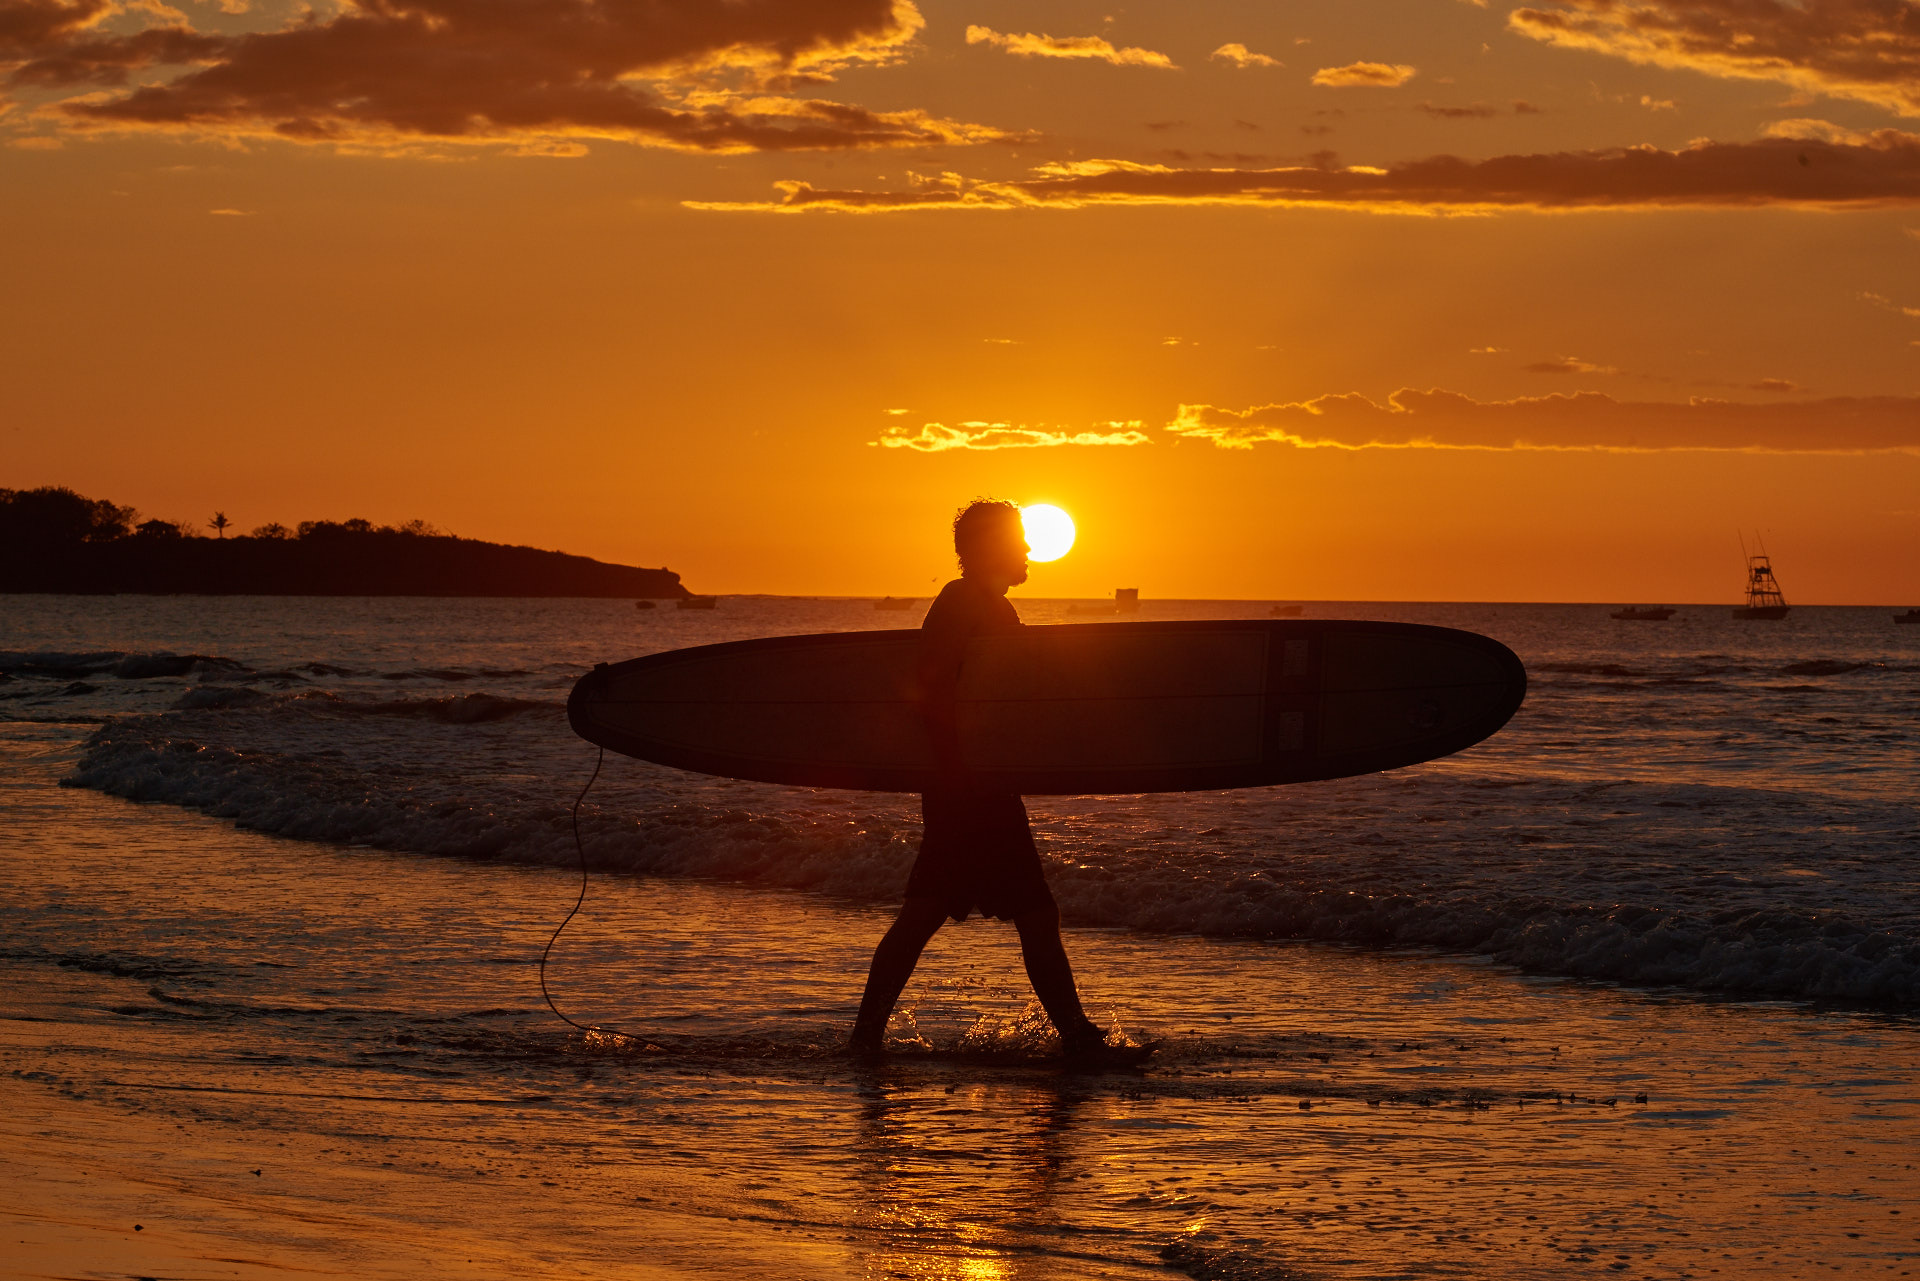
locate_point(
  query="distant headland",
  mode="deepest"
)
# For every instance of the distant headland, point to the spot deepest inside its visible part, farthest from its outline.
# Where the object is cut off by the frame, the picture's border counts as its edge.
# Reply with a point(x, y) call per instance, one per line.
point(55, 540)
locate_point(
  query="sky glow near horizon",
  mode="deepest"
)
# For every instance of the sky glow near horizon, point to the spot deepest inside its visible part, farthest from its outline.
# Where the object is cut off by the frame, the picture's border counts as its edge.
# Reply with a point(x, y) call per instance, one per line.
point(1395, 299)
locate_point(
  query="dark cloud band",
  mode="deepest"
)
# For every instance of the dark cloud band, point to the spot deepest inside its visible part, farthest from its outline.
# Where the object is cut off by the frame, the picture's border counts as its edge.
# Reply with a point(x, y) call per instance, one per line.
point(1881, 168)
point(705, 75)
point(1867, 50)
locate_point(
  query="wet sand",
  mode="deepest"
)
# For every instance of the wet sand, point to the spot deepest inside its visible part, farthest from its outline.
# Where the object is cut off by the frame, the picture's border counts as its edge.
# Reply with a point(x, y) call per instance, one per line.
point(188, 1003)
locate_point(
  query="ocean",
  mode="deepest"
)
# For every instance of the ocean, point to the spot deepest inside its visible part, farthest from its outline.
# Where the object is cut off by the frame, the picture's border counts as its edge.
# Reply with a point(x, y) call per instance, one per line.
point(1616, 988)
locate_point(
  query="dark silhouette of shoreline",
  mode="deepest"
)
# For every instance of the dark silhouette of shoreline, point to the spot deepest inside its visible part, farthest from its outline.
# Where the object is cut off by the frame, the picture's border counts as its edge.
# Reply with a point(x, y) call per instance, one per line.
point(55, 540)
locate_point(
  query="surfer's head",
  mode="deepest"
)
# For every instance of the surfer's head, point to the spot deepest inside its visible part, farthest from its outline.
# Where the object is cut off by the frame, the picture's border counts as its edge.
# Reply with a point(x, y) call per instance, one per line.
point(991, 542)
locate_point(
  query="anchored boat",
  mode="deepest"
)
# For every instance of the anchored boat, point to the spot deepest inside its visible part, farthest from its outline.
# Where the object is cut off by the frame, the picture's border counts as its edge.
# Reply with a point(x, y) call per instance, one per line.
point(1644, 613)
point(1764, 600)
point(1126, 600)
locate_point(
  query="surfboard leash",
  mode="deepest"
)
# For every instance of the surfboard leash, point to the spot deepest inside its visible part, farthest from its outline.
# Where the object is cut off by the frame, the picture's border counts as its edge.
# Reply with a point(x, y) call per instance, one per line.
point(580, 847)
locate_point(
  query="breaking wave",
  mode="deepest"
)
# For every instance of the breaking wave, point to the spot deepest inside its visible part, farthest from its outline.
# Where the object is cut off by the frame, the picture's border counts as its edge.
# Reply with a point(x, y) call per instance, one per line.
point(1357, 867)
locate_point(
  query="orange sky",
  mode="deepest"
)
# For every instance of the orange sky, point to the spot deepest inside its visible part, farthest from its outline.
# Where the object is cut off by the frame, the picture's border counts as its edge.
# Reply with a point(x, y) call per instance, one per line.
point(1432, 299)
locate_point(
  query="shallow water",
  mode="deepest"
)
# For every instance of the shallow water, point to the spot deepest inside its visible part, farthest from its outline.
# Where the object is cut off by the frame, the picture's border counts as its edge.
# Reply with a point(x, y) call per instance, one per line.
point(1704, 803)
point(363, 1027)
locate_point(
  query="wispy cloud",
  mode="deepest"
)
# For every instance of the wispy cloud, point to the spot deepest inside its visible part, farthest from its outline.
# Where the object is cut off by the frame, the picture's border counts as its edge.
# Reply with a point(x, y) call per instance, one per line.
point(1567, 365)
point(1242, 57)
point(537, 76)
point(1439, 419)
point(1085, 47)
point(1379, 75)
point(1887, 304)
point(936, 438)
point(1881, 170)
point(1476, 110)
point(1867, 50)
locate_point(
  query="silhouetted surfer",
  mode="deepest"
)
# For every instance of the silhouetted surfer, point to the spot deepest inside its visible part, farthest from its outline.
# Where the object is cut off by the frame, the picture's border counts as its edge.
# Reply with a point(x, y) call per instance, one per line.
point(977, 852)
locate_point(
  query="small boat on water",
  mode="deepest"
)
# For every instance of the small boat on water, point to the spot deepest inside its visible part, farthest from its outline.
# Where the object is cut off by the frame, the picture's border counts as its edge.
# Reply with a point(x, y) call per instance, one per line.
point(1643, 613)
point(1126, 600)
point(644, 604)
point(1911, 616)
point(696, 602)
point(1764, 600)
point(1286, 611)
point(894, 602)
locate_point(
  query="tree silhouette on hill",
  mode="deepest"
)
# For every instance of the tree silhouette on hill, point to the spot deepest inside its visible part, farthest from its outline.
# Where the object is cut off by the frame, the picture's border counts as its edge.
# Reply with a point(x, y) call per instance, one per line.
point(53, 539)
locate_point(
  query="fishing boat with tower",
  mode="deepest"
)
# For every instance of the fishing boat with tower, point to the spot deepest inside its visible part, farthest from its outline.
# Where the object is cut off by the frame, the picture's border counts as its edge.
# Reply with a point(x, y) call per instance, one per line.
point(1764, 600)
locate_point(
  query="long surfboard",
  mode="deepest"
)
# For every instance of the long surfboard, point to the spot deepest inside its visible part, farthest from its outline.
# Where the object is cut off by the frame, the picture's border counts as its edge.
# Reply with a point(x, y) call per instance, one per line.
point(1094, 708)
point(1064, 709)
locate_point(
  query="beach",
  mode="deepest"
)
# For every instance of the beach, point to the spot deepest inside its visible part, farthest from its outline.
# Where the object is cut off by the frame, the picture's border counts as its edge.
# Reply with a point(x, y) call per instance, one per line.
point(1639, 1004)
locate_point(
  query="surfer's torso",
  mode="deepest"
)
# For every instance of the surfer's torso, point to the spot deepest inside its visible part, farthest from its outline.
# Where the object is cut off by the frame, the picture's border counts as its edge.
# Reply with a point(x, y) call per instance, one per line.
point(976, 851)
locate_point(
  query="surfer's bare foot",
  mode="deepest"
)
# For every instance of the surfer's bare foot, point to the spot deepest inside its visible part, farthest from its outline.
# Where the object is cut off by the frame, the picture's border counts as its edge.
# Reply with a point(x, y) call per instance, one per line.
point(867, 1043)
point(1088, 1047)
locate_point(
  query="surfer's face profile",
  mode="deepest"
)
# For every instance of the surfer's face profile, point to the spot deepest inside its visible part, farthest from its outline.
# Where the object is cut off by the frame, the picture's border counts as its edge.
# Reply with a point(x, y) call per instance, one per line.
point(1000, 556)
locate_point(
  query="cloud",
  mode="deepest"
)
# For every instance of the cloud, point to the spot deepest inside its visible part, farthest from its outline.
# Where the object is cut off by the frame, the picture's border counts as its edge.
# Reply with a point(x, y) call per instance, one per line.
point(936, 438)
point(1887, 304)
point(536, 75)
point(1033, 46)
point(1867, 50)
point(1882, 170)
point(1568, 365)
point(53, 44)
point(1242, 57)
point(1585, 420)
point(1817, 131)
point(1380, 75)
point(1478, 111)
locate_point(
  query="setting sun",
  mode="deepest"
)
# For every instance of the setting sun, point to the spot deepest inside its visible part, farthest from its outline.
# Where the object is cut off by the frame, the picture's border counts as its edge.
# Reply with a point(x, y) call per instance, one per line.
point(1049, 531)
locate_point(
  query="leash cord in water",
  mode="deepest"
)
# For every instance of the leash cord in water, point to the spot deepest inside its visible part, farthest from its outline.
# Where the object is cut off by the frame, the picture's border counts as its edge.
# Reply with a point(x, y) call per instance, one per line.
point(580, 846)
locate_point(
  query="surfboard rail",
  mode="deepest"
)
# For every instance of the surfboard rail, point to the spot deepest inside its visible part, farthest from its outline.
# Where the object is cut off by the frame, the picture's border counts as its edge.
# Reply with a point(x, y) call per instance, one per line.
point(1073, 709)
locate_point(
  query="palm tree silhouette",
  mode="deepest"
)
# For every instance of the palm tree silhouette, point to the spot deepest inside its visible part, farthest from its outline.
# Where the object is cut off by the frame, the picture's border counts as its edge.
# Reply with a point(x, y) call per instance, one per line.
point(220, 523)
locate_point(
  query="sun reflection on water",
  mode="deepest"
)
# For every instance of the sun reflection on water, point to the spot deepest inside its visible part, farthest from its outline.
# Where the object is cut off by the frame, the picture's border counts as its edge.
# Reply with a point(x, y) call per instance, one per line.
point(955, 1184)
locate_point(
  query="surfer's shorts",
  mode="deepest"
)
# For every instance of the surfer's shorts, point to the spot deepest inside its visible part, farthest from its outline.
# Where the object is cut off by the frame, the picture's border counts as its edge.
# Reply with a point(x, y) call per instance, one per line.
point(977, 854)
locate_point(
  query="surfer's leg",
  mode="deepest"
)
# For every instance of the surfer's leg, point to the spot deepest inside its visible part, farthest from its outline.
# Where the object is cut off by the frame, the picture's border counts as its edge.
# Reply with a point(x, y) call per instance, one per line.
point(893, 961)
point(1052, 975)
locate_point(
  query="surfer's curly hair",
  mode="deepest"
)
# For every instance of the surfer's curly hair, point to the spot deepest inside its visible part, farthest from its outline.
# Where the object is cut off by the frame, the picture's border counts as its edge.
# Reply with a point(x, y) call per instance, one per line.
point(972, 524)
